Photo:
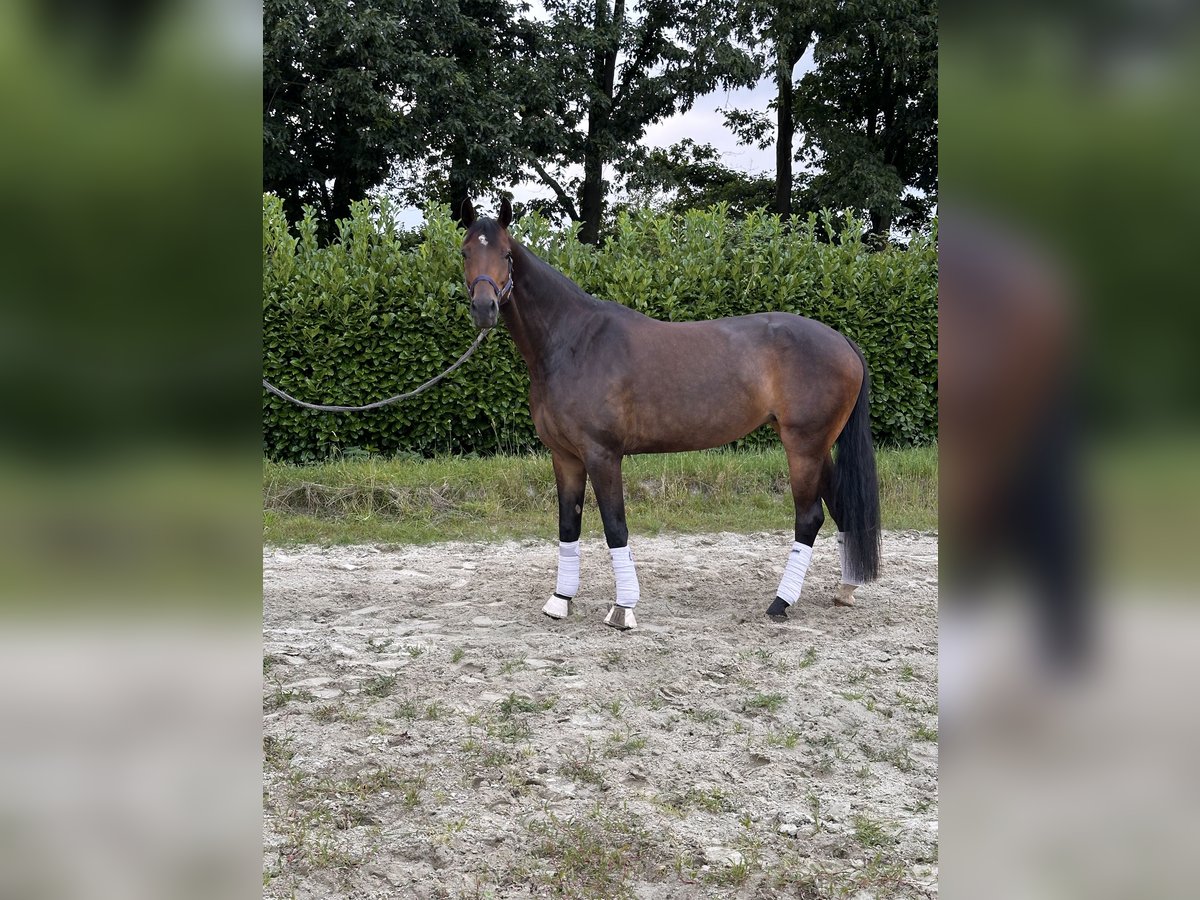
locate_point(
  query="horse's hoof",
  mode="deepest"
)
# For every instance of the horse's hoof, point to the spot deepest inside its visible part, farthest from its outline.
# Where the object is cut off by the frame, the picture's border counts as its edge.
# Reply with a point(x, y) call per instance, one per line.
point(621, 618)
point(845, 595)
point(557, 607)
point(777, 611)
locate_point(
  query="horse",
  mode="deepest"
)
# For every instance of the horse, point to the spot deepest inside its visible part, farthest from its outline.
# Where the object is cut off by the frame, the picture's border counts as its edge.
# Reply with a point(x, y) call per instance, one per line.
point(606, 381)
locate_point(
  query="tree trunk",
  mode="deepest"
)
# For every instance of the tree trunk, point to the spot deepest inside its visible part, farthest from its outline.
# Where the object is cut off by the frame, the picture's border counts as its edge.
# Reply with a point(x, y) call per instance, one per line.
point(459, 186)
point(785, 130)
point(591, 208)
point(604, 69)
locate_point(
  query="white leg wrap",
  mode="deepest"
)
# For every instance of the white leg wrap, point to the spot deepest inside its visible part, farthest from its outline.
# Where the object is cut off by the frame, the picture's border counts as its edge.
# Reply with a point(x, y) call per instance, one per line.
point(848, 577)
point(793, 574)
point(568, 569)
point(628, 591)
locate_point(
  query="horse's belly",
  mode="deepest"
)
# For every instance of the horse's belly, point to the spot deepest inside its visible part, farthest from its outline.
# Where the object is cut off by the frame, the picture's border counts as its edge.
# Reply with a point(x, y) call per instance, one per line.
point(675, 429)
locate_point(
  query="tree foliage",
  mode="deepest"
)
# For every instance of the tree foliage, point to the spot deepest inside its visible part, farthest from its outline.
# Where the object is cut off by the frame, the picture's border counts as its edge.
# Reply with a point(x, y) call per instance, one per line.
point(687, 176)
point(869, 110)
point(356, 92)
point(616, 69)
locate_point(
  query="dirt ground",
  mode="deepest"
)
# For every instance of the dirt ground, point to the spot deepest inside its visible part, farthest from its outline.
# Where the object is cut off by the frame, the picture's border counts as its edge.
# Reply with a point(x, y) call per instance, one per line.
point(429, 733)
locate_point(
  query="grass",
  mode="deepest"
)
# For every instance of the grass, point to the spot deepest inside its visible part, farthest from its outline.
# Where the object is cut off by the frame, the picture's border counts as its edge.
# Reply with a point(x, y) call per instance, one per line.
point(449, 498)
point(601, 854)
point(769, 702)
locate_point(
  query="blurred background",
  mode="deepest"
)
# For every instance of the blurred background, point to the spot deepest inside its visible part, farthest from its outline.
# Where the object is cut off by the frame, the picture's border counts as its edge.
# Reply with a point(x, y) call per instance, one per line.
point(129, 455)
point(1070, 430)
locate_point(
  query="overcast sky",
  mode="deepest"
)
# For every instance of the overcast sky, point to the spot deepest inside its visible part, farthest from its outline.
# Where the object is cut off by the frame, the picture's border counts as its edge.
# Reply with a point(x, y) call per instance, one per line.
point(703, 123)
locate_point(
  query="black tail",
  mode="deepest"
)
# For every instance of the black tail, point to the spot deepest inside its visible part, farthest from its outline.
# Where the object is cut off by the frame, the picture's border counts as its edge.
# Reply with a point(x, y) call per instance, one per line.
point(856, 486)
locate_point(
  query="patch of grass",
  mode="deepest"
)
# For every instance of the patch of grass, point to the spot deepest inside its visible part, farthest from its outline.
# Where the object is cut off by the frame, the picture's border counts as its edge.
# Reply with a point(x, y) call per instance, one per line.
point(907, 673)
point(582, 768)
point(512, 665)
point(515, 703)
point(897, 756)
point(270, 661)
point(281, 697)
point(810, 657)
point(704, 716)
point(600, 854)
point(457, 654)
point(373, 500)
point(379, 686)
point(912, 704)
point(277, 753)
point(334, 712)
point(871, 834)
point(407, 709)
point(769, 702)
point(786, 739)
point(710, 798)
point(414, 651)
point(624, 744)
point(921, 733)
point(381, 646)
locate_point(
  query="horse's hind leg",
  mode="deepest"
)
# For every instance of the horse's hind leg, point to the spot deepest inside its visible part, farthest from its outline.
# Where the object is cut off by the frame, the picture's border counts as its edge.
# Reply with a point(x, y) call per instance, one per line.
point(570, 478)
point(845, 596)
point(805, 469)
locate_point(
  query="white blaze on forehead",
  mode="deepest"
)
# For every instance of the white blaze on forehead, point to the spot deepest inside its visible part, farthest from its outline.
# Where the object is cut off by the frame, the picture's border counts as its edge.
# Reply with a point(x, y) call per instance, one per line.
point(483, 239)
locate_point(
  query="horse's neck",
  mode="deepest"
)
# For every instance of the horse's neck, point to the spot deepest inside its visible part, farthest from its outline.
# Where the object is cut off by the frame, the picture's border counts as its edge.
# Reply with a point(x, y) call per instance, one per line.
point(545, 309)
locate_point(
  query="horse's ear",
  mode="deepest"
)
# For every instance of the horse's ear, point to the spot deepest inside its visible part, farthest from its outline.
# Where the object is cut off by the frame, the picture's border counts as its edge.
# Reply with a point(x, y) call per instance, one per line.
point(505, 213)
point(467, 217)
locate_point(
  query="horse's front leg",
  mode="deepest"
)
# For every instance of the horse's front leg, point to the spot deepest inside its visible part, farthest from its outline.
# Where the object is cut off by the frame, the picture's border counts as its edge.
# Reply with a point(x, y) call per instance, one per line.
point(570, 477)
point(605, 471)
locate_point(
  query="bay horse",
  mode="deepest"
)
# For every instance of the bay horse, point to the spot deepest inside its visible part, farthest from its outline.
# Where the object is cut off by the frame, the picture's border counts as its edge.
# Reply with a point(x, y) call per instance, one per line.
point(606, 381)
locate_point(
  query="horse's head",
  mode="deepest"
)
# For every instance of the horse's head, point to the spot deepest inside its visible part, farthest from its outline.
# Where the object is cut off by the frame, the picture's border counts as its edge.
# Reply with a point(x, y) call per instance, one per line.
point(487, 263)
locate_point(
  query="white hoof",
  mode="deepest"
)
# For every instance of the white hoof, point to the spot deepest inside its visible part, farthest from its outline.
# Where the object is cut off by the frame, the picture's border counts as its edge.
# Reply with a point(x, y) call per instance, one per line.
point(557, 608)
point(620, 617)
point(845, 595)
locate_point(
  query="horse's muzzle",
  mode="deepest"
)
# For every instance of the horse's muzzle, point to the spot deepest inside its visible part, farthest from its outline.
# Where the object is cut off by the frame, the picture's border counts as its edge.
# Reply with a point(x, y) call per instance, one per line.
point(484, 311)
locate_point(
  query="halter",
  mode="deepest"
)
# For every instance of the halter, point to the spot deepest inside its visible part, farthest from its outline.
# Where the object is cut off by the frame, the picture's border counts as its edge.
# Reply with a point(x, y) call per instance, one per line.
point(502, 293)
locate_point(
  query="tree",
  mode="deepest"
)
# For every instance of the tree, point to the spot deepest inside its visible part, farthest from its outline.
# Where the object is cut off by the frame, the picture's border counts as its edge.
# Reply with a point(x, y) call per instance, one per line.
point(357, 91)
point(688, 175)
point(613, 71)
point(869, 110)
point(786, 29)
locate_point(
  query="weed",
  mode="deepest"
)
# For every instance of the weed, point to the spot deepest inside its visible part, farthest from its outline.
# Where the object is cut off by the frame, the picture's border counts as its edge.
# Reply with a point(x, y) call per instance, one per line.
point(583, 768)
point(787, 739)
point(414, 651)
point(624, 744)
point(769, 702)
point(277, 753)
point(281, 697)
point(594, 855)
point(379, 686)
point(810, 657)
point(407, 709)
point(870, 834)
point(380, 646)
point(333, 712)
point(921, 733)
point(457, 654)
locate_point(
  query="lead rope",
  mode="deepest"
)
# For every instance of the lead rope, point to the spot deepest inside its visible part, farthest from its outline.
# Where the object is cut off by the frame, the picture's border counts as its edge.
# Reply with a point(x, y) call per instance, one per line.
point(322, 407)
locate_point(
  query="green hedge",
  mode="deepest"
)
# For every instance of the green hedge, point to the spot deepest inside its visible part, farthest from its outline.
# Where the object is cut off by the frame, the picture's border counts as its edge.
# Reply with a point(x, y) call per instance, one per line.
point(375, 313)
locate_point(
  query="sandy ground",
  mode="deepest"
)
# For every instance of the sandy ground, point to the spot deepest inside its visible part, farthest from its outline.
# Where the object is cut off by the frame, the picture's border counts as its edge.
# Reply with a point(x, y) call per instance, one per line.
point(429, 733)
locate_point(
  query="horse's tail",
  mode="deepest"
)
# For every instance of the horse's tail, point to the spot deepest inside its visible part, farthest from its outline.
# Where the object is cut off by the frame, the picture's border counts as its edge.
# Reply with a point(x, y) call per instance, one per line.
point(856, 486)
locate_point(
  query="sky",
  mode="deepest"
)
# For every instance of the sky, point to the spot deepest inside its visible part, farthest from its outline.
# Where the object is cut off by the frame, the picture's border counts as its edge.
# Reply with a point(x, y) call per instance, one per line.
point(703, 123)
